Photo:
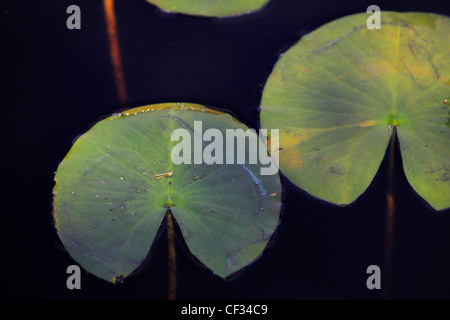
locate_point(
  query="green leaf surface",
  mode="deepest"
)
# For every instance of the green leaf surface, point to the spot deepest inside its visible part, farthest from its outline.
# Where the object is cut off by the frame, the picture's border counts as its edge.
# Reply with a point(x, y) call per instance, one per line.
point(109, 205)
point(210, 8)
point(338, 92)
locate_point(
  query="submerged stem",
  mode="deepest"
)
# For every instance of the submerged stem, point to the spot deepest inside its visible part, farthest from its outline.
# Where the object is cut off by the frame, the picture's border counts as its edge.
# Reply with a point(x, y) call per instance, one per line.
point(172, 258)
point(115, 50)
point(390, 212)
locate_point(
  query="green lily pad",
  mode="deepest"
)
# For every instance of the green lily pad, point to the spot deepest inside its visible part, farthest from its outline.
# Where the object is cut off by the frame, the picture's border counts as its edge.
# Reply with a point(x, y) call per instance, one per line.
point(110, 197)
point(336, 95)
point(210, 8)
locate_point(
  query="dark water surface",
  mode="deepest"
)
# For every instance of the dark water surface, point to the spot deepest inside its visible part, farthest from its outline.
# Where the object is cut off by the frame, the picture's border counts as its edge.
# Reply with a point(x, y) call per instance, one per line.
point(56, 83)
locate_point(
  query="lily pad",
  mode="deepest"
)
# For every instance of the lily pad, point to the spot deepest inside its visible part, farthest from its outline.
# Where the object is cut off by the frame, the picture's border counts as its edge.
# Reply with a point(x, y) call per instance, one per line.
point(336, 95)
point(113, 189)
point(210, 8)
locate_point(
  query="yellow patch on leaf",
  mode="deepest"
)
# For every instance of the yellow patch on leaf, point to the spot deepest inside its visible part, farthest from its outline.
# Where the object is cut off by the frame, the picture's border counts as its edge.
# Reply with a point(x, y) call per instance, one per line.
point(367, 123)
point(292, 159)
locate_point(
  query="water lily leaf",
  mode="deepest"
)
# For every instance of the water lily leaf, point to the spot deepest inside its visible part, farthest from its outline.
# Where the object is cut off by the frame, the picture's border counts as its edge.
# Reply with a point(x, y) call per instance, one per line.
point(114, 186)
point(338, 92)
point(210, 8)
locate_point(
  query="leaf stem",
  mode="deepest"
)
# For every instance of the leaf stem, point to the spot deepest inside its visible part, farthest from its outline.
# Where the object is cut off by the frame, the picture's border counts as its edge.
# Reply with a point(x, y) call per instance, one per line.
point(172, 258)
point(390, 212)
point(115, 50)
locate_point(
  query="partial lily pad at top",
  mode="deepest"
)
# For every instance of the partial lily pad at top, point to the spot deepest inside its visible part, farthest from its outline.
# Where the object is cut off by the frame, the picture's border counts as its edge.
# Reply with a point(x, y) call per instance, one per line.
point(336, 95)
point(210, 8)
point(110, 197)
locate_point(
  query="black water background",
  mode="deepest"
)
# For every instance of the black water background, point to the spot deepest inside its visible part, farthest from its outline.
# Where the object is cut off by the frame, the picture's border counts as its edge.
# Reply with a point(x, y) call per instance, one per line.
point(56, 83)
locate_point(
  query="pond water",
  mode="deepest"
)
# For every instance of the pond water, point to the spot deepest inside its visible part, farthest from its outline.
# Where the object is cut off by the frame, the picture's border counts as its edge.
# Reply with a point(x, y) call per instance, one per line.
point(57, 83)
